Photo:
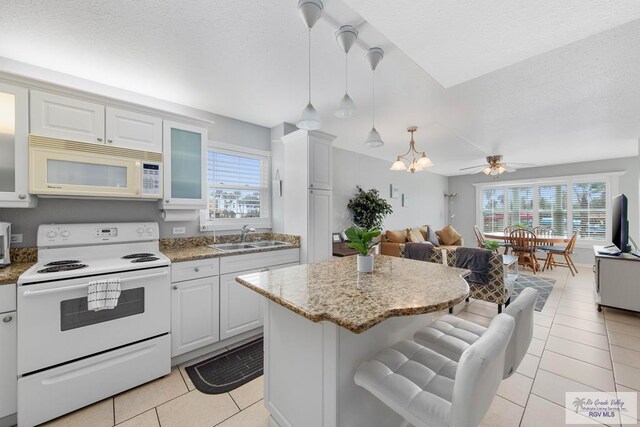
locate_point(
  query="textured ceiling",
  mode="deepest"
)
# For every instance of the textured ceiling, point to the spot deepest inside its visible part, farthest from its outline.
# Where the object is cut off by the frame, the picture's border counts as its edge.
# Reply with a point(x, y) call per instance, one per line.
point(247, 60)
point(456, 41)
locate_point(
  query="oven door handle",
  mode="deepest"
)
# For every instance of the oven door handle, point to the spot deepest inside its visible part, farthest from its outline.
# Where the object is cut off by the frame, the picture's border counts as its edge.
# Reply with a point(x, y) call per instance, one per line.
point(84, 285)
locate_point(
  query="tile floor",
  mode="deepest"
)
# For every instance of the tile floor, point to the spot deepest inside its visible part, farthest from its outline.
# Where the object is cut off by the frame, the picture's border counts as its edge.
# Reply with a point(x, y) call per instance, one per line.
point(575, 348)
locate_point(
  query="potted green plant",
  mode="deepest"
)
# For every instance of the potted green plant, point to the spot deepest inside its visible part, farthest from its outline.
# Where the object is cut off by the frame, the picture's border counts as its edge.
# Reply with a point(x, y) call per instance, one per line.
point(369, 209)
point(491, 245)
point(361, 239)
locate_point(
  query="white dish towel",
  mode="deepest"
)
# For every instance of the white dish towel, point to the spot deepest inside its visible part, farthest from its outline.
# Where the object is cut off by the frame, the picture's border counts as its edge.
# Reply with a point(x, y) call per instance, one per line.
point(103, 294)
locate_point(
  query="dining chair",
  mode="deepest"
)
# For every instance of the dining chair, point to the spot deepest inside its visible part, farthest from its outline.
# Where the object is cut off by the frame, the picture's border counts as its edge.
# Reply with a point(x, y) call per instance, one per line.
point(507, 231)
point(566, 252)
point(543, 232)
point(479, 237)
point(523, 245)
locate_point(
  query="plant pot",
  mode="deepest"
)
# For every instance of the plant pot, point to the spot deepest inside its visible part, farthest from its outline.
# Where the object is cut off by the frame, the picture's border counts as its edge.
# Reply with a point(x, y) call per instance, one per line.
point(365, 263)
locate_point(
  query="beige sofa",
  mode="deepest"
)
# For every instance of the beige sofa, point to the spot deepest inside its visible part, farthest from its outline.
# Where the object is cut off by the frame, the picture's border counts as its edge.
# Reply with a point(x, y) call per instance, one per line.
point(392, 241)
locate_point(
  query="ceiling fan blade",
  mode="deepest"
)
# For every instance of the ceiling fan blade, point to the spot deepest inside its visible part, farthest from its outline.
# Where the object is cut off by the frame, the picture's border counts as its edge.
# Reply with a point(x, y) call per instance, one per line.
point(473, 167)
point(478, 170)
point(509, 168)
point(519, 165)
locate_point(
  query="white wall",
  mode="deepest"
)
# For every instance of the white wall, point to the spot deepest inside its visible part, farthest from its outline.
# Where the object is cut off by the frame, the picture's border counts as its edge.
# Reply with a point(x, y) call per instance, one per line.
point(426, 191)
point(465, 203)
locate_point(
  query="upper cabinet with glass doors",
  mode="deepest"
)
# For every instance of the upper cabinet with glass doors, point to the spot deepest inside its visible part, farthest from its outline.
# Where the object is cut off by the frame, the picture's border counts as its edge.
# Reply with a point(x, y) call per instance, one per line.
point(62, 117)
point(184, 157)
point(14, 159)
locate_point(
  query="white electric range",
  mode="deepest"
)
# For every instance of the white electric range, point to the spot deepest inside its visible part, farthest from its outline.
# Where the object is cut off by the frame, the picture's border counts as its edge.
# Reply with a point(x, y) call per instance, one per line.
point(69, 356)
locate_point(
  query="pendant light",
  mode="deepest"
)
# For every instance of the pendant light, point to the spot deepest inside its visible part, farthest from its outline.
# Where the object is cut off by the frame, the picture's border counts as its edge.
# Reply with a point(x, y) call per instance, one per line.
point(374, 56)
point(413, 160)
point(346, 36)
point(311, 11)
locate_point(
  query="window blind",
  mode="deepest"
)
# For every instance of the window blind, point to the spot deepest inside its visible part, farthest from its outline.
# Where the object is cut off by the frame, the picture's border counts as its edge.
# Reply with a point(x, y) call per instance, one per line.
point(552, 208)
point(589, 204)
point(520, 206)
point(493, 209)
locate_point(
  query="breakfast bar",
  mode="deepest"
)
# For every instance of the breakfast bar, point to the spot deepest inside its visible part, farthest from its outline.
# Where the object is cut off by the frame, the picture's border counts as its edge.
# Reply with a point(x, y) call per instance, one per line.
point(322, 320)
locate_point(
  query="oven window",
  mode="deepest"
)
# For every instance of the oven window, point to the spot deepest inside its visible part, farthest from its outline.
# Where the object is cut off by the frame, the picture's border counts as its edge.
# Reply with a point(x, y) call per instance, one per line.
point(74, 313)
point(90, 174)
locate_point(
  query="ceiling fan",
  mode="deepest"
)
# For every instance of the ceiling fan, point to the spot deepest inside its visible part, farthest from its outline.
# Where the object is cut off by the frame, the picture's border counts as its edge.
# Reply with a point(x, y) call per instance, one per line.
point(495, 166)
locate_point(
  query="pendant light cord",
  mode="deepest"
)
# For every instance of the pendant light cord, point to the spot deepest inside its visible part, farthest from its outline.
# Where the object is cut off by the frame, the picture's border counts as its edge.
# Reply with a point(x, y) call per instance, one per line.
point(309, 65)
point(373, 96)
point(346, 73)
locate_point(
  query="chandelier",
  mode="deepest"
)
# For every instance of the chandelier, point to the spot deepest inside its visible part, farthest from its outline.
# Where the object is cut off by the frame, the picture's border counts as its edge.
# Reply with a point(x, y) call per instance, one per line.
point(413, 160)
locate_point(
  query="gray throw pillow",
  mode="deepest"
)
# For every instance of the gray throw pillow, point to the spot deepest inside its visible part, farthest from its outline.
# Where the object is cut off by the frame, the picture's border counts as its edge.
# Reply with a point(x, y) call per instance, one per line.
point(432, 236)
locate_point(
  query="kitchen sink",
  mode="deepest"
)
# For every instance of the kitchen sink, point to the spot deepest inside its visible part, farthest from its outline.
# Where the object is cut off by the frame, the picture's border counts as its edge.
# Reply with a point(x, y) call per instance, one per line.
point(269, 244)
point(229, 247)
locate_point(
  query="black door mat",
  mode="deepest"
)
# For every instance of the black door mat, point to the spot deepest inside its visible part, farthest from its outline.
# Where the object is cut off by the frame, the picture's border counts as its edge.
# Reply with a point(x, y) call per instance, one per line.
point(543, 285)
point(230, 370)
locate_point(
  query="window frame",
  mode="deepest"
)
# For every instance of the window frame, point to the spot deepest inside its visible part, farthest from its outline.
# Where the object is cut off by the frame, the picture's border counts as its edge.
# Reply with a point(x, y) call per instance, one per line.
point(213, 224)
point(611, 180)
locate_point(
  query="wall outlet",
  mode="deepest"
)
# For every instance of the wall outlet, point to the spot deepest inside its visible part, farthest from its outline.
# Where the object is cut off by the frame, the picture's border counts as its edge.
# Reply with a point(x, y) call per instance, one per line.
point(179, 230)
point(16, 238)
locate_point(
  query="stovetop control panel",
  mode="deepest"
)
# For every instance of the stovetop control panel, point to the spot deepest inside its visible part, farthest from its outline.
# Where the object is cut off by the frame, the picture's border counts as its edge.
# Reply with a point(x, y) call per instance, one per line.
point(52, 235)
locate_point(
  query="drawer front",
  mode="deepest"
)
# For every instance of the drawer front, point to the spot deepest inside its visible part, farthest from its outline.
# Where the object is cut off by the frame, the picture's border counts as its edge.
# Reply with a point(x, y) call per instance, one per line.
point(198, 269)
point(7, 298)
point(54, 392)
point(259, 260)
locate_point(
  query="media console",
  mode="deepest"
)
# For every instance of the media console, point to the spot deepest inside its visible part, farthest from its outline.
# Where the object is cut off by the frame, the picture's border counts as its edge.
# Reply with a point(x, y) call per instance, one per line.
point(617, 280)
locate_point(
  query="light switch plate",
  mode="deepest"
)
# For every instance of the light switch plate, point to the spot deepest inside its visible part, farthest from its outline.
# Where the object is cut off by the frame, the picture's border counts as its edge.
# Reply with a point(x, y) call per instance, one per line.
point(179, 230)
point(16, 238)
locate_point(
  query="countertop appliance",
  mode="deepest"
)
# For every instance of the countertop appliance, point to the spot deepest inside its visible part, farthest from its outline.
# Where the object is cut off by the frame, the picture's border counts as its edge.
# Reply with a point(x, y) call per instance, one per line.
point(5, 244)
point(77, 169)
point(69, 356)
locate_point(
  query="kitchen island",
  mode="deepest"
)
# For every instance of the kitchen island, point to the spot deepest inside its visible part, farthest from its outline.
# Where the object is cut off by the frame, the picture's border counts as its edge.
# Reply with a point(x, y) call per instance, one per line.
point(322, 320)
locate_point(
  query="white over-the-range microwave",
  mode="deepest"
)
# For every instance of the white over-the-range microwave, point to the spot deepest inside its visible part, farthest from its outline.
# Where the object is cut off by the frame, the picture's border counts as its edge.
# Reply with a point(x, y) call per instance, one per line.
point(76, 169)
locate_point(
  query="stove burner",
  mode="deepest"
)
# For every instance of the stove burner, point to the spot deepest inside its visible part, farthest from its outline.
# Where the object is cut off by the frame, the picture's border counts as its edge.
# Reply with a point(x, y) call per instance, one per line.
point(65, 267)
point(146, 259)
point(140, 255)
point(63, 262)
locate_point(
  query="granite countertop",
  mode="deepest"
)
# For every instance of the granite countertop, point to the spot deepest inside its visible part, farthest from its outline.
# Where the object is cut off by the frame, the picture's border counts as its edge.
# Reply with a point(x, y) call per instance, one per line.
point(334, 291)
point(194, 248)
point(10, 274)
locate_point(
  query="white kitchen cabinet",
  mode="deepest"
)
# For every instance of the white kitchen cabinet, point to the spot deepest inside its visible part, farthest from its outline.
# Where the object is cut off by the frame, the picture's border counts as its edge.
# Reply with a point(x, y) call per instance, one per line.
point(133, 130)
point(307, 196)
point(320, 208)
point(185, 166)
point(62, 117)
point(320, 162)
point(14, 148)
point(194, 314)
point(240, 307)
point(8, 352)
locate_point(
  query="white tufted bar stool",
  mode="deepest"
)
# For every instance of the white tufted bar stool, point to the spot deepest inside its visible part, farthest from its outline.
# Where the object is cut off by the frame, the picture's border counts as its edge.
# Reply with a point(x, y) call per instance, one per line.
point(429, 389)
point(451, 336)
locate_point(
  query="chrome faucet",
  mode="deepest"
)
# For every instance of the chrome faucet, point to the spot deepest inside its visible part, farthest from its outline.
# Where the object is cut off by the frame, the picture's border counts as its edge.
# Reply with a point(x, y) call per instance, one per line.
point(245, 230)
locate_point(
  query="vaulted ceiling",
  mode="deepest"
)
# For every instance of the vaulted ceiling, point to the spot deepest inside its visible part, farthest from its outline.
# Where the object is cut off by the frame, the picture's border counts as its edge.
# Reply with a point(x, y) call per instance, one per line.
point(541, 82)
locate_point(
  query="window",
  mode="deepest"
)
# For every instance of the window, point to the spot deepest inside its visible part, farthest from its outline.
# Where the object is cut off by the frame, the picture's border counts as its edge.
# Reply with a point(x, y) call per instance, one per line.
point(520, 206)
point(552, 208)
point(238, 189)
point(565, 205)
point(493, 209)
point(589, 205)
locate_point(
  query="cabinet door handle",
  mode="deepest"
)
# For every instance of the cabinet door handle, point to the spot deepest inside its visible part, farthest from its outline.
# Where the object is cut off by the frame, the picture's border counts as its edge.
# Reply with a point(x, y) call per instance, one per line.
point(264, 269)
point(22, 196)
point(7, 319)
point(109, 141)
point(311, 185)
point(175, 288)
point(197, 269)
point(99, 139)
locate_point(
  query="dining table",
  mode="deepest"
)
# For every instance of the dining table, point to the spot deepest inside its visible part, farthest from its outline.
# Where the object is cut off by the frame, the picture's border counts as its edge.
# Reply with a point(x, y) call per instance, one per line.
point(542, 239)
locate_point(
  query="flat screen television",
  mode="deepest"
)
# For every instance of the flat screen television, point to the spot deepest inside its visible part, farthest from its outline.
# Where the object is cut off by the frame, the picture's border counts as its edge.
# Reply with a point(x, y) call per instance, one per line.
point(620, 223)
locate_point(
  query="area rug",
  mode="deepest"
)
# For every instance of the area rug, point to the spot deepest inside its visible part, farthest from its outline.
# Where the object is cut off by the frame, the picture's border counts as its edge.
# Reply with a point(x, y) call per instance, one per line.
point(543, 285)
point(228, 371)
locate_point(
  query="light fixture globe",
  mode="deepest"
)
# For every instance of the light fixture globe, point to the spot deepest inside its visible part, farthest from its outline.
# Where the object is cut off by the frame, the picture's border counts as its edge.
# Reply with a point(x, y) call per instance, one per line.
point(311, 11)
point(309, 119)
point(374, 139)
point(424, 162)
point(346, 108)
point(398, 165)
